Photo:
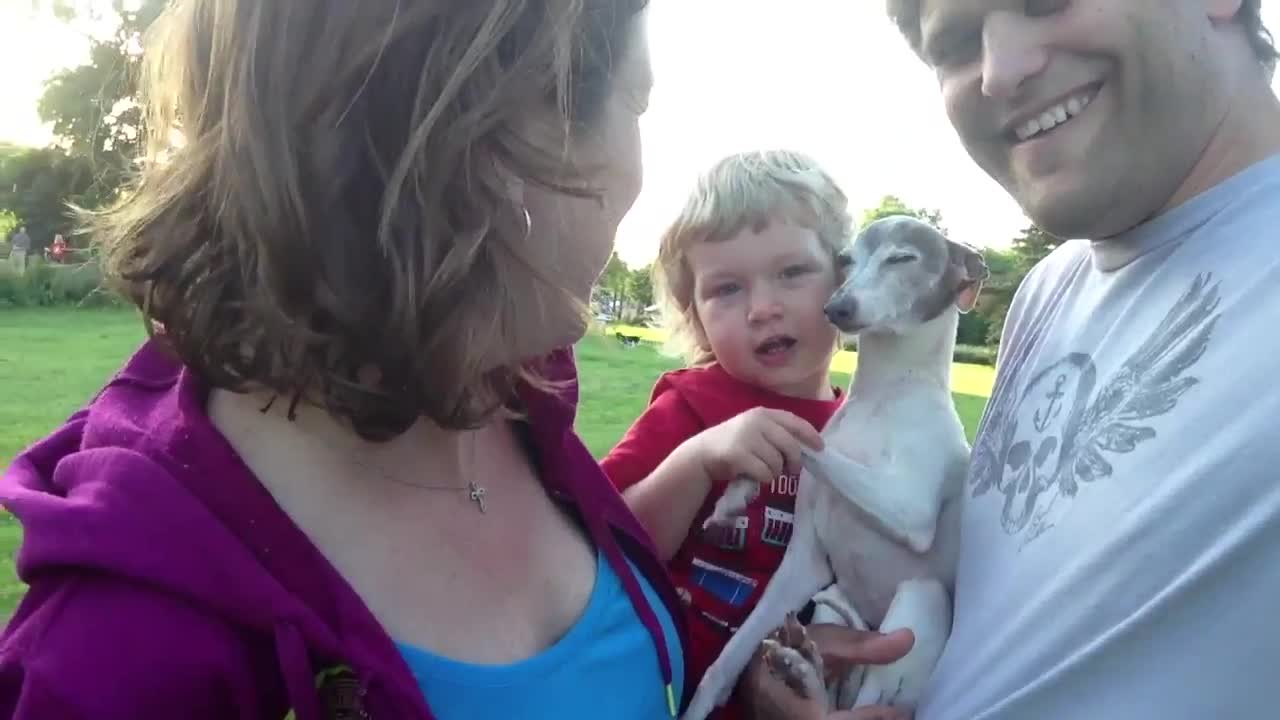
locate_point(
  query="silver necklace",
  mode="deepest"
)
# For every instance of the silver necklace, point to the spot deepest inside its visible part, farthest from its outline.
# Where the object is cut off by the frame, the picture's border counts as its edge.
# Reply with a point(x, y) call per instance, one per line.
point(474, 491)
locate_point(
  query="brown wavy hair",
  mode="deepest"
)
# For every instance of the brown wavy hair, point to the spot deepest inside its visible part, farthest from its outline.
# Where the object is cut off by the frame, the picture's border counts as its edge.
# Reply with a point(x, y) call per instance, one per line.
point(324, 212)
point(906, 14)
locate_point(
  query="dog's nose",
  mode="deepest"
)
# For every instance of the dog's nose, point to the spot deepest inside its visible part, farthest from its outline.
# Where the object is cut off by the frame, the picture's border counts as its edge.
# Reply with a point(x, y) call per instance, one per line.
point(840, 312)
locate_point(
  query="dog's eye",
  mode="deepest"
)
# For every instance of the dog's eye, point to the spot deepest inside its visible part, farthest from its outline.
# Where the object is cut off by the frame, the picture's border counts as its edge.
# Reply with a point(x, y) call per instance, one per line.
point(844, 260)
point(900, 259)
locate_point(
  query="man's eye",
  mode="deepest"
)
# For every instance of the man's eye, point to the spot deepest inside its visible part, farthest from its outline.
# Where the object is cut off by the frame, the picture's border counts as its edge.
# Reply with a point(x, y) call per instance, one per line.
point(959, 46)
point(900, 259)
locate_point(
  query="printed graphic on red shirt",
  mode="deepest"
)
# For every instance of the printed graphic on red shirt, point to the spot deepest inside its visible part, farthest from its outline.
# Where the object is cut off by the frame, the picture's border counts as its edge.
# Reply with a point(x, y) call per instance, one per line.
point(787, 485)
point(722, 583)
point(778, 526)
point(729, 538)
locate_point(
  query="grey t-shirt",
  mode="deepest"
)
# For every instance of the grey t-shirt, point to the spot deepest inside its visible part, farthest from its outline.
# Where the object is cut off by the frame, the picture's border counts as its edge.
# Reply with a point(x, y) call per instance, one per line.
point(1120, 551)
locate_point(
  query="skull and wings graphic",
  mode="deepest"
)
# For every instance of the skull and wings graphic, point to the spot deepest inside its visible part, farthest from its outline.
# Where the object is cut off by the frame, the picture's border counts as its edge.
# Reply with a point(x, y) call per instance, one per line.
point(1043, 444)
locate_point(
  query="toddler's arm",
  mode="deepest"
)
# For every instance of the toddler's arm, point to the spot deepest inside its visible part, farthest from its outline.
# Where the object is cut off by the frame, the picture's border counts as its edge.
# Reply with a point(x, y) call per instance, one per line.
point(663, 486)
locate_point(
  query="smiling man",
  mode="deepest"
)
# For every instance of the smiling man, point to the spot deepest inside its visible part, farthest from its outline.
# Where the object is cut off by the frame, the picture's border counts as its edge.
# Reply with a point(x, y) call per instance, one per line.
point(1121, 523)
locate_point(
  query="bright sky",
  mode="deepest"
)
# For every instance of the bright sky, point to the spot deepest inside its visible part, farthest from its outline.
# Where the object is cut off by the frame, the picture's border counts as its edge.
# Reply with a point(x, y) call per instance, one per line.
point(828, 77)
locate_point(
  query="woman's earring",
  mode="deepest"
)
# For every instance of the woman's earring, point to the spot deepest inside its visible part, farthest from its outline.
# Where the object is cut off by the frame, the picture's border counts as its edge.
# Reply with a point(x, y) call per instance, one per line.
point(528, 223)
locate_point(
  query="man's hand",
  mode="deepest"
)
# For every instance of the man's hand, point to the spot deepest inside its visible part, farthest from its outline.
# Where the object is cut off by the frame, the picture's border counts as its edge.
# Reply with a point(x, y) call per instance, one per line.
point(771, 699)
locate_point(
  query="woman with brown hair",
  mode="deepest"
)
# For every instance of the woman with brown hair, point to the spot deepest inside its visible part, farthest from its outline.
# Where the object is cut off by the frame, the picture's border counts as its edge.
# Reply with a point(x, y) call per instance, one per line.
point(341, 478)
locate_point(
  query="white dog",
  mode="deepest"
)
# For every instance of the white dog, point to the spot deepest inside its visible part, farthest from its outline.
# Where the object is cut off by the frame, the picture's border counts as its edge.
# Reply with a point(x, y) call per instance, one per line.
point(876, 510)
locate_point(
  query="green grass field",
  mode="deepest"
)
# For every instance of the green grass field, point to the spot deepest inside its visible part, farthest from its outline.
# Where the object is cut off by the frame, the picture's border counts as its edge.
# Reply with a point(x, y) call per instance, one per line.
point(52, 361)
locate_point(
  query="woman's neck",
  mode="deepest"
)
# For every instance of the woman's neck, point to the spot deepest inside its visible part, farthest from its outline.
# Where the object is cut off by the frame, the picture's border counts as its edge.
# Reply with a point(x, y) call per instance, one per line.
point(425, 452)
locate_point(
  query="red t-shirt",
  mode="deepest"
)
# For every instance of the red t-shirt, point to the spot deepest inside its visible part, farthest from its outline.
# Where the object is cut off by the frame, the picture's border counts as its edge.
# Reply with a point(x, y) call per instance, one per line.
point(719, 574)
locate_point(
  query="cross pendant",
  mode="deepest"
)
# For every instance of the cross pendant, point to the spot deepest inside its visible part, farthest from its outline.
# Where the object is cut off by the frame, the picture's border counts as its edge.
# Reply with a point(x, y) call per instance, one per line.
point(477, 495)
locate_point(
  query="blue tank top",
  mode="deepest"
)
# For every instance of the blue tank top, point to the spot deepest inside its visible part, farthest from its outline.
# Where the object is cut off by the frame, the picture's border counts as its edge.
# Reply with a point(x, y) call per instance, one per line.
point(606, 665)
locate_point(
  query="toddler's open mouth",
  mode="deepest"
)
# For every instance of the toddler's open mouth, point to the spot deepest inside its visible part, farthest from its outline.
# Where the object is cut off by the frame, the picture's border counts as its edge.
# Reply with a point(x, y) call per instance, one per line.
point(776, 345)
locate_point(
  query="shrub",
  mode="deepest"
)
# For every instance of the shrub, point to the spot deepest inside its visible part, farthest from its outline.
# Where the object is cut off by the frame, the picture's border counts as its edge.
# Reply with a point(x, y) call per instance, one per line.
point(46, 284)
point(973, 329)
point(975, 354)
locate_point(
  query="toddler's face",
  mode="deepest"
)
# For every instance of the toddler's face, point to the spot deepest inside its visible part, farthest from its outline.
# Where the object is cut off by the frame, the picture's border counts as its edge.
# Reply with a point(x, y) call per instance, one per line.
point(759, 300)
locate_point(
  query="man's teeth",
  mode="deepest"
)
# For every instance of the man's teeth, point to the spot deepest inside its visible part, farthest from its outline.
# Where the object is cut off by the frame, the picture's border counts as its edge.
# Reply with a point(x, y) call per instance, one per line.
point(1054, 116)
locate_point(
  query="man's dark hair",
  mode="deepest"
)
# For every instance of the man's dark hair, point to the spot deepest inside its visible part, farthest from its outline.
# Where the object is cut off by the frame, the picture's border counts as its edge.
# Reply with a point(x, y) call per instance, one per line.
point(906, 13)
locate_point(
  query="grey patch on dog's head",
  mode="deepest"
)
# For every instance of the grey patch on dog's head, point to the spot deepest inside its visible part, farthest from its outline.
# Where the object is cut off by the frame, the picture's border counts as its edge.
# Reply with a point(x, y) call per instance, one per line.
point(959, 283)
point(902, 271)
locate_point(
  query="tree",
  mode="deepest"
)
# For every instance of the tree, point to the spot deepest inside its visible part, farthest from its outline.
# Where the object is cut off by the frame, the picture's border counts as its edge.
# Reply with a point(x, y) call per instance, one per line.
point(891, 205)
point(640, 287)
point(1032, 246)
point(1026, 250)
point(976, 327)
point(612, 286)
point(35, 185)
point(8, 224)
point(93, 107)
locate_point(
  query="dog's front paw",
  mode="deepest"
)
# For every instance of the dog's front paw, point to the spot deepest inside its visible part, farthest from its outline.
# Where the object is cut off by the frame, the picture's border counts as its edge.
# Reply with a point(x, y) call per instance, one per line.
point(732, 505)
point(793, 658)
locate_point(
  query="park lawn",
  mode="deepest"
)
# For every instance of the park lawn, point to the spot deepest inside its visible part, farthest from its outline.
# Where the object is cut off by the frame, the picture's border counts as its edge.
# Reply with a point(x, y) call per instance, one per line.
point(52, 362)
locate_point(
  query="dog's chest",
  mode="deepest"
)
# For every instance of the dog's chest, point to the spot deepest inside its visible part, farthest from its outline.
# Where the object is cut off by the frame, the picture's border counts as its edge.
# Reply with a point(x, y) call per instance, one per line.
point(868, 566)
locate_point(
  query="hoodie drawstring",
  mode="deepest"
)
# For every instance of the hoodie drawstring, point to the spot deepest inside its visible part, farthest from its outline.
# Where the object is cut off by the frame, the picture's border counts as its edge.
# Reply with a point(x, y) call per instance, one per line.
point(613, 553)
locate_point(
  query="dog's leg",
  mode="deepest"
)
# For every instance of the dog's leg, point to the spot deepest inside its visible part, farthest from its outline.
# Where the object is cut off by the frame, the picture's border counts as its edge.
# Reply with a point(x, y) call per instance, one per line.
point(903, 508)
point(803, 572)
point(791, 656)
point(833, 608)
point(924, 607)
point(733, 503)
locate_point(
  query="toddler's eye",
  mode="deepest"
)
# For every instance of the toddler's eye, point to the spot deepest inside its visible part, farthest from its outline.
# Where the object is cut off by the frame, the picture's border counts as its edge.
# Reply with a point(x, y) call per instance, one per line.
point(724, 289)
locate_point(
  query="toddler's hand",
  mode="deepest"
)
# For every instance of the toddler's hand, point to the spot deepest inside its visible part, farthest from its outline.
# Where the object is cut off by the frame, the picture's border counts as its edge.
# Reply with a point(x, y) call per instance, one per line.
point(762, 444)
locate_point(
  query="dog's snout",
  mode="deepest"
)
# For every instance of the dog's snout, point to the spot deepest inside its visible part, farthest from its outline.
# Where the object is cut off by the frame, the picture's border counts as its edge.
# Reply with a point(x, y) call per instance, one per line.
point(840, 311)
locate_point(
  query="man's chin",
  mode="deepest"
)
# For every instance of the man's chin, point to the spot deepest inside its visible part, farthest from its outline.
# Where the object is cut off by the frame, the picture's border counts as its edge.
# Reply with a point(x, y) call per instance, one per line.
point(1064, 207)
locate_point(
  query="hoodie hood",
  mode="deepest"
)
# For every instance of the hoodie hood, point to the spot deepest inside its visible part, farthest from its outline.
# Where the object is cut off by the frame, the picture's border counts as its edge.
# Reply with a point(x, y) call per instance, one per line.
point(139, 486)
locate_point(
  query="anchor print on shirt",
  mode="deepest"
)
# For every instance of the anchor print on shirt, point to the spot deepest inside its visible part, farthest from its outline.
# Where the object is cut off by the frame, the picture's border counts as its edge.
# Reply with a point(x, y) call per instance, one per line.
point(1060, 434)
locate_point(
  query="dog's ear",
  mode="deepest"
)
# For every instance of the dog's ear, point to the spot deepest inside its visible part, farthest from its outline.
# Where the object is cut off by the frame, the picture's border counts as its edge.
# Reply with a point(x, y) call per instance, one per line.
point(967, 271)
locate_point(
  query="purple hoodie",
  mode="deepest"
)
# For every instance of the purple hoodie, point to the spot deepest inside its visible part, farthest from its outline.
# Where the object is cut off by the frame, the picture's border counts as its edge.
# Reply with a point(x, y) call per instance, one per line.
point(166, 583)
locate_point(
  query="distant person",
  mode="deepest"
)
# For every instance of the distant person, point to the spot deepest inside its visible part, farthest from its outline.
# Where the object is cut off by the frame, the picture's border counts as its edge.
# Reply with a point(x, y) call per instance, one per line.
point(20, 249)
point(1120, 547)
point(745, 270)
point(59, 252)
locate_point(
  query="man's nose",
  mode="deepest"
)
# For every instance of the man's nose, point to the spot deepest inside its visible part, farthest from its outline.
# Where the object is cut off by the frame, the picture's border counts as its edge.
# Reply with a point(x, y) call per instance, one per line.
point(840, 311)
point(1012, 52)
